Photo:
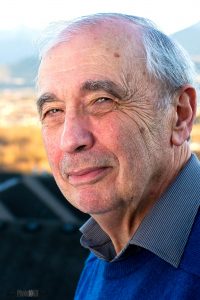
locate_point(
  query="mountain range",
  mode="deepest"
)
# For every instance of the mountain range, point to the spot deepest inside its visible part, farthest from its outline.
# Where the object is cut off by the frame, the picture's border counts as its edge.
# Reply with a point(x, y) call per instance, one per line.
point(19, 54)
point(189, 38)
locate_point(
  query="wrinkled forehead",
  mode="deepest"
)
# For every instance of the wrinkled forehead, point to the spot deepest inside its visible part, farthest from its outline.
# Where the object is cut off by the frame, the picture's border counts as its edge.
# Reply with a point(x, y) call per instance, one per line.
point(111, 30)
point(111, 34)
point(106, 52)
point(119, 40)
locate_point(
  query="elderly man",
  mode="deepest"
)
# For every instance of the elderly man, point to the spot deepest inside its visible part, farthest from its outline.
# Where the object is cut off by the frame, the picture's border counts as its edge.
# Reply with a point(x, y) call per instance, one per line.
point(117, 104)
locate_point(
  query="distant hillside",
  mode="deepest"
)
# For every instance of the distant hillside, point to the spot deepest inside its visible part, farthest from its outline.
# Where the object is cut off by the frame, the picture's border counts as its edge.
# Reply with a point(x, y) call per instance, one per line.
point(189, 38)
point(15, 45)
point(19, 74)
point(25, 68)
point(18, 58)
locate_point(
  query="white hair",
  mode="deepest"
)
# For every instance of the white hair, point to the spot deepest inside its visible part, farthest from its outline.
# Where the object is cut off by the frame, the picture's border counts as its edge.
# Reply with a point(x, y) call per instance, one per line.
point(166, 61)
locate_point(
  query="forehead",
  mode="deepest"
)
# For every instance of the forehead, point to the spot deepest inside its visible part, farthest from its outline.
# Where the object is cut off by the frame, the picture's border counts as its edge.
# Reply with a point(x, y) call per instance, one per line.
point(98, 52)
point(108, 38)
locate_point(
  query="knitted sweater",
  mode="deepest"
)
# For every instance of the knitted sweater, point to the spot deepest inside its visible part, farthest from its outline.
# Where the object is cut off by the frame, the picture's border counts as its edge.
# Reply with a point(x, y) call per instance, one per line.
point(143, 275)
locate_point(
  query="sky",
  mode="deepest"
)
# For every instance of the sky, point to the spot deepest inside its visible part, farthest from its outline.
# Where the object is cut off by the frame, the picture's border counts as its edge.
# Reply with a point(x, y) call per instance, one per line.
point(169, 15)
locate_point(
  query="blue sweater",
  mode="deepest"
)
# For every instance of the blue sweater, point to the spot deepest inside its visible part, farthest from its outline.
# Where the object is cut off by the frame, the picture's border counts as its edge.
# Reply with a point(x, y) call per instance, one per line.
point(143, 275)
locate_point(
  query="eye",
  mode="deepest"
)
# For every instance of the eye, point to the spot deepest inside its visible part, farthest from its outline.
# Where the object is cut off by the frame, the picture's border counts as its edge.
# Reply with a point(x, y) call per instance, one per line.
point(51, 112)
point(103, 99)
point(100, 106)
point(52, 115)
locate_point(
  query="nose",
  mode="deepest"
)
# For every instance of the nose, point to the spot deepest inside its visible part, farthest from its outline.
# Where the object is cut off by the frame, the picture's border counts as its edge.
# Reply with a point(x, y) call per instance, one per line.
point(75, 135)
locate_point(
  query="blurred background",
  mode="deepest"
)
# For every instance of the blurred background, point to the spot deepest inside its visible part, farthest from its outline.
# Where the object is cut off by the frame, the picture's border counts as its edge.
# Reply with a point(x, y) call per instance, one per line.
point(40, 254)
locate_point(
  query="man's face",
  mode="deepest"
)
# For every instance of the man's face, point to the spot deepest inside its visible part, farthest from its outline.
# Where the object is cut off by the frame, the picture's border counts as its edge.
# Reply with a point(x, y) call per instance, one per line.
point(103, 137)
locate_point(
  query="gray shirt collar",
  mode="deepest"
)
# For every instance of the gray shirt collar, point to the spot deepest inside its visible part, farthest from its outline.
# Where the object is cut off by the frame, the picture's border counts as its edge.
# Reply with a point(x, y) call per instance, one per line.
point(165, 230)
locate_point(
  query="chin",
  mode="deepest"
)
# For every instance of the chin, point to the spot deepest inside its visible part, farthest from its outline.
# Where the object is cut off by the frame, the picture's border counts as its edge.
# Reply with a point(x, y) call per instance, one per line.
point(90, 203)
point(91, 207)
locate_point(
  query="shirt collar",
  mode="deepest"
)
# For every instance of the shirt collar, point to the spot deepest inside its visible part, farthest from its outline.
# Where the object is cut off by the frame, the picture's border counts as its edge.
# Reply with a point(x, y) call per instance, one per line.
point(165, 230)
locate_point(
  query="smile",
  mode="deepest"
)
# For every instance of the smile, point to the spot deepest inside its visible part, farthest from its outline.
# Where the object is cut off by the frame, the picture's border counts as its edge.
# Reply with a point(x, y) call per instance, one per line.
point(87, 176)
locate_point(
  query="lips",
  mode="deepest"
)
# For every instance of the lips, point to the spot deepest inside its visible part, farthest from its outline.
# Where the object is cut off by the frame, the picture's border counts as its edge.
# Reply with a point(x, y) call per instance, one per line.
point(87, 176)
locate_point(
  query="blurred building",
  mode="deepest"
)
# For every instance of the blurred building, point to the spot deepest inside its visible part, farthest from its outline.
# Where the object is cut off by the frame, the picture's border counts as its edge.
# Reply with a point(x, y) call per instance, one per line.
point(40, 254)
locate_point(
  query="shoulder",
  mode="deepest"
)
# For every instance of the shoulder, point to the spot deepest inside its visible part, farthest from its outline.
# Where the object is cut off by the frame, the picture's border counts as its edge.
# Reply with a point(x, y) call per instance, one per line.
point(90, 259)
point(190, 261)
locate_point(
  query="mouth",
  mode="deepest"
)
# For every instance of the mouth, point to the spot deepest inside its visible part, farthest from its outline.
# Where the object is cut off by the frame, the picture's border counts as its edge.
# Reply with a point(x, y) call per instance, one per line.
point(87, 176)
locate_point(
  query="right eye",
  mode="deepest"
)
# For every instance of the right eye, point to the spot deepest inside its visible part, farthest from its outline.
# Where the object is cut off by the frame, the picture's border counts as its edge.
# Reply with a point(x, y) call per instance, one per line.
point(52, 116)
point(52, 111)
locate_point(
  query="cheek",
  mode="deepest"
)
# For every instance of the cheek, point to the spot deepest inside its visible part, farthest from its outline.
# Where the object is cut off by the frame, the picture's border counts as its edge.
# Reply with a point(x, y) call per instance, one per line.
point(51, 144)
point(109, 129)
point(123, 139)
point(129, 143)
point(111, 132)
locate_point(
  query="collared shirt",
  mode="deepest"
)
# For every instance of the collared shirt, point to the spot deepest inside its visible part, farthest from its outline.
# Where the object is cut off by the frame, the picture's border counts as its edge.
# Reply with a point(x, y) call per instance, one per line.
point(165, 230)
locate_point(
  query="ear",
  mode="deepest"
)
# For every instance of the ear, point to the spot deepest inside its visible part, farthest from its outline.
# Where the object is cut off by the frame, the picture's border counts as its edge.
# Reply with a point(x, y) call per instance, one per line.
point(185, 112)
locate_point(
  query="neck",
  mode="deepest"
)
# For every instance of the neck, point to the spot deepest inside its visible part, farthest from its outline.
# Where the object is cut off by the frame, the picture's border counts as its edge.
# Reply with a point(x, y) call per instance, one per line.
point(122, 223)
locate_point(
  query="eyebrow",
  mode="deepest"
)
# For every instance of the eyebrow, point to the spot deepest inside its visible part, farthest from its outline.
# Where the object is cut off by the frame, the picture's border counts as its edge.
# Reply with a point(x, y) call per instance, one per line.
point(90, 85)
point(104, 85)
point(46, 97)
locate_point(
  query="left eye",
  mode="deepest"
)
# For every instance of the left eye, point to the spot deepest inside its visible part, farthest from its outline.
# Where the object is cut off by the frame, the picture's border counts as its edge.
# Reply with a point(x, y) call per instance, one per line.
point(103, 99)
point(101, 106)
